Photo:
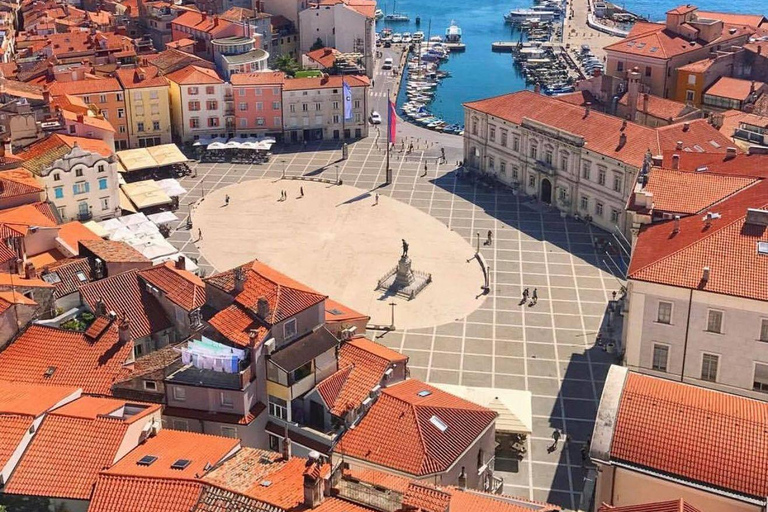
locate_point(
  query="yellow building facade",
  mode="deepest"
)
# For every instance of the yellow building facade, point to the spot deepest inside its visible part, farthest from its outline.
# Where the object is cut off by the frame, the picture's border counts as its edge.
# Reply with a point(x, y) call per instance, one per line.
point(147, 104)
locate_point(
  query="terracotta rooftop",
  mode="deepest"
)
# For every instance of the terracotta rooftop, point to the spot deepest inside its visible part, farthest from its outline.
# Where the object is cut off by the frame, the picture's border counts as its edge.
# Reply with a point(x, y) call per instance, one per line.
point(752, 20)
point(745, 165)
point(326, 57)
point(156, 360)
point(437, 426)
point(137, 494)
point(25, 216)
point(660, 506)
point(85, 87)
point(18, 182)
point(140, 77)
point(202, 22)
point(658, 107)
point(87, 119)
point(171, 60)
point(41, 154)
point(111, 251)
point(170, 446)
point(195, 75)
point(68, 451)
point(17, 281)
point(733, 88)
point(260, 78)
point(238, 324)
point(66, 358)
point(73, 232)
point(8, 298)
point(362, 364)
point(285, 296)
point(683, 438)
point(338, 312)
point(732, 120)
point(673, 190)
point(181, 287)
point(601, 132)
point(67, 275)
point(325, 82)
point(655, 41)
point(126, 294)
point(727, 245)
point(28, 399)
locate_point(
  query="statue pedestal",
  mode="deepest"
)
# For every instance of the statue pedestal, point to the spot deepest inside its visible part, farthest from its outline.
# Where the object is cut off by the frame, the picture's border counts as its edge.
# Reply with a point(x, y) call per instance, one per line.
point(404, 276)
point(403, 280)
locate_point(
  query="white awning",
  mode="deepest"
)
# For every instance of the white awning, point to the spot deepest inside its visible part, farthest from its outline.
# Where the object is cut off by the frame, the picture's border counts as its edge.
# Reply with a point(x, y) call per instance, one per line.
point(97, 228)
point(217, 145)
point(110, 225)
point(172, 187)
point(129, 220)
point(232, 144)
point(146, 194)
point(513, 406)
point(163, 218)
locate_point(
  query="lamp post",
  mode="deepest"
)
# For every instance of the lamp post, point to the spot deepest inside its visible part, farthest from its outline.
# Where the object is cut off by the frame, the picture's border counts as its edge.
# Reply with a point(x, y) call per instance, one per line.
point(337, 173)
point(283, 162)
point(478, 242)
point(392, 325)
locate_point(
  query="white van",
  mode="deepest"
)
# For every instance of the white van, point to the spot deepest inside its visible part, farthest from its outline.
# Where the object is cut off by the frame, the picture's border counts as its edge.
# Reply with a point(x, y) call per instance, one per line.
point(387, 63)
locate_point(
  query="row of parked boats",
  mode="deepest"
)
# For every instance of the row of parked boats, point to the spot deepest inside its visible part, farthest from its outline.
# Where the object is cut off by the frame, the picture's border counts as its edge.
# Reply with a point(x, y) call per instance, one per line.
point(422, 79)
point(543, 10)
point(540, 65)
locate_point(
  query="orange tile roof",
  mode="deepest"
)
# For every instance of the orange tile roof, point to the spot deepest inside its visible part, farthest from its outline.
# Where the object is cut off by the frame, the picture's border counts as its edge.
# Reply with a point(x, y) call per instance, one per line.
point(338, 312)
point(733, 88)
point(73, 232)
point(112, 251)
point(746, 165)
point(400, 417)
point(9, 298)
point(672, 190)
point(260, 78)
point(140, 77)
point(728, 246)
point(326, 57)
point(181, 287)
point(660, 506)
point(654, 41)
point(236, 324)
point(379, 479)
point(325, 82)
point(41, 154)
point(33, 400)
point(698, 66)
point(170, 446)
point(697, 136)
point(68, 272)
point(247, 469)
point(85, 87)
point(684, 436)
point(25, 215)
point(362, 364)
point(75, 359)
point(365, 7)
point(18, 182)
point(752, 20)
point(13, 428)
point(682, 9)
point(202, 22)
point(286, 297)
point(66, 454)
point(475, 501)
point(135, 494)
point(15, 280)
point(126, 294)
point(87, 120)
point(732, 120)
point(661, 108)
point(195, 75)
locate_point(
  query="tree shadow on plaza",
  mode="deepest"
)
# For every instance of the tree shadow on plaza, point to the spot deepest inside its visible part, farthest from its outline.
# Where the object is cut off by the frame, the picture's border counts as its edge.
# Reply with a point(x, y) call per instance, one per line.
point(540, 221)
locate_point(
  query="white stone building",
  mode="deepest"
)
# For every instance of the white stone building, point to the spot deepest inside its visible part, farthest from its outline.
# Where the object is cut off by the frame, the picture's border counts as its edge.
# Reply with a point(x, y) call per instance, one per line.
point(583, 162)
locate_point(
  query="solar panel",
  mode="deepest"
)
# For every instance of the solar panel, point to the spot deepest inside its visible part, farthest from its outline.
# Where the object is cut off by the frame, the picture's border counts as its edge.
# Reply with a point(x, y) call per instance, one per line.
point(146, 460)
point(181, 464)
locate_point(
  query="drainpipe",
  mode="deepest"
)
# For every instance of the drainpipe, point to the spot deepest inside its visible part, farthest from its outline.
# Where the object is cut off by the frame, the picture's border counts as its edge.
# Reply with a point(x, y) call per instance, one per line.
point(685, 343)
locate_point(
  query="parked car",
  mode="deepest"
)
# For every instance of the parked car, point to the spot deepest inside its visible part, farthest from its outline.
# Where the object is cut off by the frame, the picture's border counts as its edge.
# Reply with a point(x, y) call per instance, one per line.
point(388, 62)
point(375, 117)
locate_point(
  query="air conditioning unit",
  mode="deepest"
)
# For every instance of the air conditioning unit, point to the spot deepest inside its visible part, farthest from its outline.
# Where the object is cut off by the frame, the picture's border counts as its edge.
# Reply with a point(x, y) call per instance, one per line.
point(388, 374)
point(269, 345)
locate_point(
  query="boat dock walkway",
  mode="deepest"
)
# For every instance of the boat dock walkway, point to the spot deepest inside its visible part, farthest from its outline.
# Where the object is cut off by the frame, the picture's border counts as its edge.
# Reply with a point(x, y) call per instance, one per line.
point(504, 46)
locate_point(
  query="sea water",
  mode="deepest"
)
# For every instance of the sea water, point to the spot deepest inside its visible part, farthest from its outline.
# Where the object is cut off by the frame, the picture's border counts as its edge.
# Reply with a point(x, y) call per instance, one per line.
point(480, 73)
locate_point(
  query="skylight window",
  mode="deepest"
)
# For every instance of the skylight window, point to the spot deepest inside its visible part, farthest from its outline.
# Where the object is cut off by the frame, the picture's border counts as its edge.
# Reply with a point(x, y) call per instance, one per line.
point(654, 49)
point(51, 277)
point(640, 45)
point(335, 312)
point(81, 276)
point(714, 144)
point(424, 392)
point(146, 460)
point(762, 248)
point(181, 464)
point(438, 423)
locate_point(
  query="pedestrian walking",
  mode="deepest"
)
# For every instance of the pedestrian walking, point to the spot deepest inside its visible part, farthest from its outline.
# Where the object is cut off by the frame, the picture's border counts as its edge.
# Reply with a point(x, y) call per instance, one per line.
point(425, 169)
point(556, 432)
point(377, 200)
point(301, 191)
point(525, 295)
point(226, 200)
point(535, 296)
point(199, 234)
point(442, 155)
point(490, 237)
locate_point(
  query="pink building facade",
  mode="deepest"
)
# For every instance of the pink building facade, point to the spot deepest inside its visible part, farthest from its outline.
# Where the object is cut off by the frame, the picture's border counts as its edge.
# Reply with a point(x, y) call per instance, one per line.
point(258, 103)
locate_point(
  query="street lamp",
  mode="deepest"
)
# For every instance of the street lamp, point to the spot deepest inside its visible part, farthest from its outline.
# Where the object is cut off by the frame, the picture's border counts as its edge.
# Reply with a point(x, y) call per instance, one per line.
point(337, 173)
point(478, 242)
point(283, 162)
point(392, 325)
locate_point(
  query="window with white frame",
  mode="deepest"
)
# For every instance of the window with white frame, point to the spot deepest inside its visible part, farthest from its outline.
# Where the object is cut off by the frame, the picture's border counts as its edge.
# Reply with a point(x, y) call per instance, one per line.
point(760, 380)
point(601, 177)
point(709, 364)
point(278, 407)
point(599, 209)
point(584, 205)
point(664, 314)
point(586, 170)
point(617, 183)
point(715, 321)
point(274, 443)
point(504, 138)
point(660, 357)
point(150, 385)
point(492, 133)
point(289, 329)
point(225, 400)
point(615, 215)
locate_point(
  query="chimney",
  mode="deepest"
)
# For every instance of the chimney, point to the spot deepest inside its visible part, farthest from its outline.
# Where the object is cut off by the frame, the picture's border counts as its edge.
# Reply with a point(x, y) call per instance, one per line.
point(463, 478)
point(646, 99)
point(29, 270)
point(622, 140)
point(286, 446)
point(124, 329)
point(633, 90)
point(101, 307)
point(676, 229)
point(215, 21)
point(587, 108)
point(730, 153)
point(537, 88)
point(239, 280)
point(313, 484)
point(205, 15)
point(47, 96)
point(679, 145)
point(705, 275)
point(686, 126)
point(675, 161)
point(262, 308)
point(181, 262)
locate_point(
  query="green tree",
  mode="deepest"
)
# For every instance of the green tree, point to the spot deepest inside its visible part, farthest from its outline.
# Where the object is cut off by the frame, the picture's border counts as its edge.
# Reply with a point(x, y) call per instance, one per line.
point(287, 64)
point(318, 44)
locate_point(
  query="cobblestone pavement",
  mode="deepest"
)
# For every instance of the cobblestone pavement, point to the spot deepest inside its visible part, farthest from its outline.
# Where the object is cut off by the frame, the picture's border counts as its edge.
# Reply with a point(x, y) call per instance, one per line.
point(547, 349)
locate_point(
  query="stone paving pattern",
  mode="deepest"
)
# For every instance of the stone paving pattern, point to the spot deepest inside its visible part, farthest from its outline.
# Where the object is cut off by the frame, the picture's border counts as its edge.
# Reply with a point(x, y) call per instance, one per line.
point(547, 349)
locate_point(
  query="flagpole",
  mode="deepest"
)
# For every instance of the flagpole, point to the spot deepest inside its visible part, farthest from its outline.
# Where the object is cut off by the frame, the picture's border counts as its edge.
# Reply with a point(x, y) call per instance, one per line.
point(386, 172)
point(343, 109)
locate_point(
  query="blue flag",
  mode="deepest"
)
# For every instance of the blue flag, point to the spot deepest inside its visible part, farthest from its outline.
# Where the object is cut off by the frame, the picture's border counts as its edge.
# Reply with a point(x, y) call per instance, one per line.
point(347, 91)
